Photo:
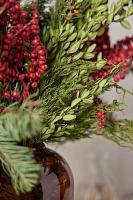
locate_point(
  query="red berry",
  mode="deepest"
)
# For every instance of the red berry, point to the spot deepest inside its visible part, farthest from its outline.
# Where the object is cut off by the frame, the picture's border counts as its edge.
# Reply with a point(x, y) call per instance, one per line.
point(41, 62)
point(116, 79)
point(39, 47)
point(19, 26)
point(103, 118)
point(122, 76)
point(33, 55)
point(12, 1)
point(99, 114)
point(32, 75)
point(41, 52)
point(7, 5)
point(12, 30)
point(24, 14)
point(105, 73)
point(9, 36)
point(44, 67)
point(14, 23)
point(4, 23)
point(37, 75)
point(20, 64)
point(35, 42)
point(12, 10)
point(100, 124)
point(21, 77)
point(42, 58)
point(40, 71)
point(75, 91)
point(5, 53)
point(1, 77)
point(31, 70)
point(26, 54)
point(26, 75)
point(5, 47)
point(1, 2)
point(7, 41)
point(15, 94)
point(6, 94)
point(14, 17)
point(34, 85)
point(34, 63)
point(35, 104)
point(17, 6)
point(96, 77)
point(24, 95)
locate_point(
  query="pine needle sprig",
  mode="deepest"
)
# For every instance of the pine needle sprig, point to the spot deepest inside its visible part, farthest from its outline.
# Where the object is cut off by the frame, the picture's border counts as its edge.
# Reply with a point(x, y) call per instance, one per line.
point(119, 131)
point(19, 163)
point(17, 123)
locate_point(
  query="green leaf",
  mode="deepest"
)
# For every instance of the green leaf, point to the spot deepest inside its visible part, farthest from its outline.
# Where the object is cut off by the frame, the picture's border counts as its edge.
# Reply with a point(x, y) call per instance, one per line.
point(77, 56)
point(91, 48)
point(125, 24)
point(2, 10)
point(74, 47)
point(69, 117)
point(71, 37)
point(101, 63)
point(112, 7)
point(130, 11)
point(88, 55)
point(75, 102)
point(99, 57)
point(101, 31)
point(110, 18)
point(102, 8)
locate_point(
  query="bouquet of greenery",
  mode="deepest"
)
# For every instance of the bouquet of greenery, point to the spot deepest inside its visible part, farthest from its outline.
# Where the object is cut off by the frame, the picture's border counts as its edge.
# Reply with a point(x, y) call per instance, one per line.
point(53, 67)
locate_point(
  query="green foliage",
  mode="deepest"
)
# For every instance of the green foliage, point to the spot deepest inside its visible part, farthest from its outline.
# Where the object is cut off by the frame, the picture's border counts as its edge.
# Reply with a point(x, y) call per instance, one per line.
point(119, 131)
point(69, 115)
point(66, 115)
point(18, 124)
point(72, 23)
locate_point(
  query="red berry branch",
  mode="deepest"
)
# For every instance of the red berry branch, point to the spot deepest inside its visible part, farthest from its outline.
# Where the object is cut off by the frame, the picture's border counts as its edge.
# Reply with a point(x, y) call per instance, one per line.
point(101, 114)
point(22, 55)
point(122, 51)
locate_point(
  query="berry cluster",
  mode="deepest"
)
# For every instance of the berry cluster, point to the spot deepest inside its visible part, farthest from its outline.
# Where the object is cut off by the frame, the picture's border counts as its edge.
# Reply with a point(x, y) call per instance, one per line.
point(122, 51)
point(100, 113)
point(23, 56)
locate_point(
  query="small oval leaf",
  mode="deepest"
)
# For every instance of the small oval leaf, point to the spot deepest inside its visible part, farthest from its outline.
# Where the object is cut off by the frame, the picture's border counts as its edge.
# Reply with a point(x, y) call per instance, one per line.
point(125, 24)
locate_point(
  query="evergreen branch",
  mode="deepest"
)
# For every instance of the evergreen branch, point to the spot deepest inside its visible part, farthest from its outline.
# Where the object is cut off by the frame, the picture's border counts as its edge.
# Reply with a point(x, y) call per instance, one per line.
point(16, 124)
point(18, 162)
point(119, 131)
